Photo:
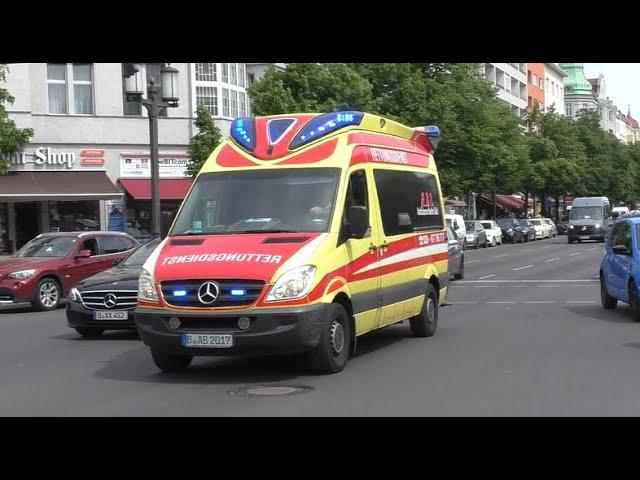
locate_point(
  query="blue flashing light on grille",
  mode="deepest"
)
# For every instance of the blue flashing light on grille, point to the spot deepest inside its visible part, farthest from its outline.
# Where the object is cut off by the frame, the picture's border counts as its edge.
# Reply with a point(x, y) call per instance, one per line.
point(238, 293)
point(433, 134)
point(243, 132)
point(324, 125)
point(179, 293)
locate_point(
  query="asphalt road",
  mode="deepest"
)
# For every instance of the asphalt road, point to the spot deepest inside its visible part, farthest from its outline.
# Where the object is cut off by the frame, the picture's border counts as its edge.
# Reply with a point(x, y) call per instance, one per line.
point(522, 335)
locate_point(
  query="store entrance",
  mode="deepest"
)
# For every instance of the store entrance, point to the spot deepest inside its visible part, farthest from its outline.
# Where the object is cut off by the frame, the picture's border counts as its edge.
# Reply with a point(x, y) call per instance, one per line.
point(27, 224)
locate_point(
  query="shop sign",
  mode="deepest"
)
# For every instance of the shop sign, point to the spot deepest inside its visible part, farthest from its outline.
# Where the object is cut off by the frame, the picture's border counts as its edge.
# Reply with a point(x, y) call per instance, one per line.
point(138, 165)
point(46, 158)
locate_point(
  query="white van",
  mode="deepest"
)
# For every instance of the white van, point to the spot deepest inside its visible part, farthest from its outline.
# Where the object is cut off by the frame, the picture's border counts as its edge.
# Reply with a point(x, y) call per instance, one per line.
point(457, 223)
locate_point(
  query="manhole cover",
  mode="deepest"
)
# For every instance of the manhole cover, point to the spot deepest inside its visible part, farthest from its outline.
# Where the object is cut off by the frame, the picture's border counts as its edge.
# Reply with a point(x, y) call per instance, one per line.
point(271, 391)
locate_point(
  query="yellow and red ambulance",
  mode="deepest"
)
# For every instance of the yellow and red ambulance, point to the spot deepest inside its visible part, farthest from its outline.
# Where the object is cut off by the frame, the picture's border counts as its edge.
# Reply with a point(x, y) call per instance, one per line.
point(300, 233)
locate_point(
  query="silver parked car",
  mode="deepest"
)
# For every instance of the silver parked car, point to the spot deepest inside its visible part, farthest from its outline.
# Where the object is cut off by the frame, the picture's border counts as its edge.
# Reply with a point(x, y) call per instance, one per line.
point(494, 232)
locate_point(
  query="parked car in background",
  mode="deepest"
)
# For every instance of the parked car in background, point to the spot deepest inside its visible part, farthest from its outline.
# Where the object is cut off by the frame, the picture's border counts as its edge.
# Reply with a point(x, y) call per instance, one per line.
point(540, 228)
point(476, 235)
point(553, 230)
point(107, 301)
point(527, 229)
point(618, 212)
point(494, 232)
point(456, 256)
point(457, 223)
point(45, 268)
point(511, 230)
point(620, 266)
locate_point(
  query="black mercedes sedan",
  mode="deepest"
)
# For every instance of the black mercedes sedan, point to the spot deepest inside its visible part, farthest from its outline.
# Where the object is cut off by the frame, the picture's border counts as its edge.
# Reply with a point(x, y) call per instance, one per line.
point(107, 301)
point(511, 230)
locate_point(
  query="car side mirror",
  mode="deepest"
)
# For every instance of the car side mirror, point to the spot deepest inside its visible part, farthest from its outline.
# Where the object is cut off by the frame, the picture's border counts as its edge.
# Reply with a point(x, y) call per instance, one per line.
point(453, 243)
point(621, 250)
point(404, 220)
point(359, 224)
point(84, 254)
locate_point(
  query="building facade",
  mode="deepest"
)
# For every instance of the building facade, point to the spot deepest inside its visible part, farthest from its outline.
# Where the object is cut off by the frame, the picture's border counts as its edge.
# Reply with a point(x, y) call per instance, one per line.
point(87, 165)
point(554, 88)
point(535, 86)
point(511, 82)
point(578, 92)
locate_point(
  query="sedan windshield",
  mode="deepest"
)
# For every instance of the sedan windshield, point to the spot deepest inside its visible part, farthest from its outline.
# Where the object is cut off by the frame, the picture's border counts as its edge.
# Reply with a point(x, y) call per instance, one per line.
point(137, 258)
point(47, 247)
point(581, 213)
point(283, 200)
point(505, 222)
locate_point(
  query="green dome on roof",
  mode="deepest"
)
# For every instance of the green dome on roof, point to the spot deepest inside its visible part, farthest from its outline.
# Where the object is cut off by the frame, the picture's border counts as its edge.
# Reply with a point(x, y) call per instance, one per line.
point(576, 83)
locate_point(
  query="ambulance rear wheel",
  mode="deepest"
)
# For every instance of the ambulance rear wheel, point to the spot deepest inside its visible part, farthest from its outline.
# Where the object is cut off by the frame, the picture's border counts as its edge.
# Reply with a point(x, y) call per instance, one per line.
point(170, 363)
point(332, 352)
point(426, 322)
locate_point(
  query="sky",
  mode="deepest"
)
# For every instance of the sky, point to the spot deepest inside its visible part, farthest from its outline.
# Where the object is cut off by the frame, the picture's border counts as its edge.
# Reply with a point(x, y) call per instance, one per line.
point(622, 82)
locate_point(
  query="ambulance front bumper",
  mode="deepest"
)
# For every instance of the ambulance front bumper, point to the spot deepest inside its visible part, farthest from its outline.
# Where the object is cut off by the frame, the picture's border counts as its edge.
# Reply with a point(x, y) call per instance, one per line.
point(281, 331)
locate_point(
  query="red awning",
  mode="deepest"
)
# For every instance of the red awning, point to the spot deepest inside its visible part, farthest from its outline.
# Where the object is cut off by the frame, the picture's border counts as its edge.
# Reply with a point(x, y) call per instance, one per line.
point(505, 201)
point(170, 188)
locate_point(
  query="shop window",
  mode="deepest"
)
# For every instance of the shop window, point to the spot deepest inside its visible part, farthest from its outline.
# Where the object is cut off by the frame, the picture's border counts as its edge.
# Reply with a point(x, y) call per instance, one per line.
point(5, 249)
point(74, 216)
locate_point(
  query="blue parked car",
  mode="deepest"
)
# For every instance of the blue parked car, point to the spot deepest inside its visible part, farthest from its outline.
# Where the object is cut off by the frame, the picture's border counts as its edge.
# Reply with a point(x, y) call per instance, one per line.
point(620, 267)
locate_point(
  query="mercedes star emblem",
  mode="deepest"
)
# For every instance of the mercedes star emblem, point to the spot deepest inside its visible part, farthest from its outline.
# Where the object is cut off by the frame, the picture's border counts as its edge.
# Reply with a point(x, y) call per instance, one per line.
point(208, 292)
point(110, 300)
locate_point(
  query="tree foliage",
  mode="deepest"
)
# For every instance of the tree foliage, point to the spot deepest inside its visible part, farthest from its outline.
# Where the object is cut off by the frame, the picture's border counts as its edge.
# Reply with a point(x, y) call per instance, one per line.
point(12, 138)
point(204, 142)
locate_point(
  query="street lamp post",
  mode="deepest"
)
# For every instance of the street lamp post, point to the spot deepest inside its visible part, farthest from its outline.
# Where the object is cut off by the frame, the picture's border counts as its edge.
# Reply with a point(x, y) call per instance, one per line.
point(157, 101)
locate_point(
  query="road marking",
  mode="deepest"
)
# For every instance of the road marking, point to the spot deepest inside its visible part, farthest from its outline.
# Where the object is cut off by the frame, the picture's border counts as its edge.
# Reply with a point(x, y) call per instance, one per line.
point(487, 276)
point(526, 281)
point(580, 301)
point(591, 249)
point(501, 302)
point(574, 254)
point(471, 261)
point(551, 260)
point(522, 268)
point(535, 301)
point(462, 303)
point(503, 255)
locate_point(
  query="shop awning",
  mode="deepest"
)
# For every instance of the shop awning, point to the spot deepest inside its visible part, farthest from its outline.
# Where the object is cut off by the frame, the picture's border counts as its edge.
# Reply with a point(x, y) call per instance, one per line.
point(61, 186)
point(170, 188)
point(505, 201)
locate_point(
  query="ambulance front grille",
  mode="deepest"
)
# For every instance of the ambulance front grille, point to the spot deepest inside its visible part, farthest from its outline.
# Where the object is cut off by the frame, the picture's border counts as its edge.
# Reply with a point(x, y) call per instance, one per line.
point(231, 293)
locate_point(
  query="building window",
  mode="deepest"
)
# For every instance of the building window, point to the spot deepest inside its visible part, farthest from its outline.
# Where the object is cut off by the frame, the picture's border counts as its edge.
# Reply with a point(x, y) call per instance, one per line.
point(541, 84)
point(529, 81)
point(206, 72)
point(507, 83)
point(233, 77)
point(83, 88)
point(242, 75)
point(57, 87)
point(207, 97)
point(225, 73)
point(242, 104)
point(69, 216)
point(234, 103)
point(569, 111)
point(225, 102)
point(252, 79)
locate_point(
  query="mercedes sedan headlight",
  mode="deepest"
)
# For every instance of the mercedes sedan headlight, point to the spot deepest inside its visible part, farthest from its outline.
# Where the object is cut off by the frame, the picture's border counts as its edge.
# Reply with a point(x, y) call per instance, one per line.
point(293, 284)
point(22, 274)
point(146, 287)
point(74, 295)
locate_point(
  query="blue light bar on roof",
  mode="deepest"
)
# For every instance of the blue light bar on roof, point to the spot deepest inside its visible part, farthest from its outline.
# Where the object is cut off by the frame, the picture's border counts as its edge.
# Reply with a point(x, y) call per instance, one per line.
point(243, 132)
point(324, 125)
point(433, 134)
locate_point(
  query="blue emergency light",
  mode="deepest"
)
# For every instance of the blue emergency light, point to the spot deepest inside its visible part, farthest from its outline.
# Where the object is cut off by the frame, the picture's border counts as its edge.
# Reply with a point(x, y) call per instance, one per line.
point(238, 292)
point(324, 125)
point(243, 132)
point(179, 293)
point(433, 134)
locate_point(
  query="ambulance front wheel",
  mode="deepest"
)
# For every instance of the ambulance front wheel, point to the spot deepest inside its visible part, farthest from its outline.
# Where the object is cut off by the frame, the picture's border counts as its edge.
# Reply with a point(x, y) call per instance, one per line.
point(332, 352)
point(170, 363)
point(426, 322)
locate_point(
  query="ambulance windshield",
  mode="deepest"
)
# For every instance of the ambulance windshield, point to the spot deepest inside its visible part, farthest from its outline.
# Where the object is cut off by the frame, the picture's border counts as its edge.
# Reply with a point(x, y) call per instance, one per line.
point(283, 200)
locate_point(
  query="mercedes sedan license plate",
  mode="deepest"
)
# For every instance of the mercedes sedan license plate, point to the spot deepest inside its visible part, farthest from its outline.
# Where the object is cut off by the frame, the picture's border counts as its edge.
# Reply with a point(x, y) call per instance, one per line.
point(113, 315)
point(209, 341)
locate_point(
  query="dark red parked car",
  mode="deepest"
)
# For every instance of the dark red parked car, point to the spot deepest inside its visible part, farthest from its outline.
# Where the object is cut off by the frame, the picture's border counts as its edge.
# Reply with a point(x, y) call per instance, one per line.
point(46, 268)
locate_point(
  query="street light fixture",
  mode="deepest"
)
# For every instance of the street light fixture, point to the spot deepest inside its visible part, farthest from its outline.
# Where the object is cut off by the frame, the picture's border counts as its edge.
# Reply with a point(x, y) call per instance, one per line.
point(134, 89)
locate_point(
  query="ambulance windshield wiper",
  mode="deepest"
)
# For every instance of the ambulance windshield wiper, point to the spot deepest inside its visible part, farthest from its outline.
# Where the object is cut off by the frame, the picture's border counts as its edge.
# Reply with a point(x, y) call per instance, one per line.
point(273, 230)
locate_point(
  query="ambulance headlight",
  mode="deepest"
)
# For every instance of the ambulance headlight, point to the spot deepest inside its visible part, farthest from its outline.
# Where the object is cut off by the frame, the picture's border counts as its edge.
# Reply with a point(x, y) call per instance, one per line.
point(295, 283)
point(146, 288)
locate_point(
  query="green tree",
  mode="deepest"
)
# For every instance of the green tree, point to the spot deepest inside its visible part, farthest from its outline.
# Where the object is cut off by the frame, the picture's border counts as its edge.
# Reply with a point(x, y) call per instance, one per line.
point(204, 142)
point(12, 138)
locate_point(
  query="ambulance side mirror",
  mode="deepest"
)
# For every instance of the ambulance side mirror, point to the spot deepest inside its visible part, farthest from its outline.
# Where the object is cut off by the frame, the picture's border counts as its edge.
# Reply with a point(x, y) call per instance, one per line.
point(359, 224)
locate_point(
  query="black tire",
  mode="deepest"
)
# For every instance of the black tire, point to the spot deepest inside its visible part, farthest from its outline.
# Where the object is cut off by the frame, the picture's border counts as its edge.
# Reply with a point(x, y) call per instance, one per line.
point(332, 352)
point(425, 323)
point(633, 301)
point(607, 300)
point(477, 245)
point(460, 274)
point(484, 245)
point(90, 332)
point(47, 295)
point(170, 363)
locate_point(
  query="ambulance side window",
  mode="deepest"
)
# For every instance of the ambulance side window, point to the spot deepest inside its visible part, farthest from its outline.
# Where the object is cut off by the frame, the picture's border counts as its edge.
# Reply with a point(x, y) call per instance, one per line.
point(356, 196)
